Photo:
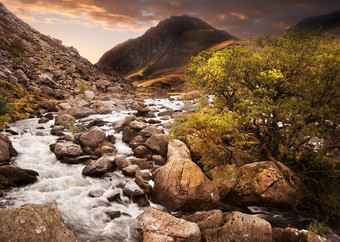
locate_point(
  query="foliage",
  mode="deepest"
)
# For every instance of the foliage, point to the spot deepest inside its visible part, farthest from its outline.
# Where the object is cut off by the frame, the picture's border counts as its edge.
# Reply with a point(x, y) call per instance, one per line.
point(5, 104)
point(278, 99)
point(82, 87)
point(318, 228)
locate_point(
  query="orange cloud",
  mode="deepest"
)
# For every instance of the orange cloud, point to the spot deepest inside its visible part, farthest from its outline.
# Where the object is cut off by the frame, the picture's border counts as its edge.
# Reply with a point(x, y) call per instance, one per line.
point(239, 15)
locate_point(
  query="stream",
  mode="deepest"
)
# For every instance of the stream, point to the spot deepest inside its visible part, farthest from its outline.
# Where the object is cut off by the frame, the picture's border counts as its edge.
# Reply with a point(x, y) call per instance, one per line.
point(82, 200)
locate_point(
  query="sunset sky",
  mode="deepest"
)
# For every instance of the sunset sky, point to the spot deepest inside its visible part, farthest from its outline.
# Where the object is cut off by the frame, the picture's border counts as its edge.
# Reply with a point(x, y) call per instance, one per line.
point(95, 26)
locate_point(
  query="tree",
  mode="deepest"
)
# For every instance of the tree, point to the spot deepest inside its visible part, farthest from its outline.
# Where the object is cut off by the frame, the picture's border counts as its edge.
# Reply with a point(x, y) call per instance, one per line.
point(285, 91)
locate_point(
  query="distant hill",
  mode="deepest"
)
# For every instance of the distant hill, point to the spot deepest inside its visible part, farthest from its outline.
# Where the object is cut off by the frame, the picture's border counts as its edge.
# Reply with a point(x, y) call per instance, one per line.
point(161, 53)
point(328, 22)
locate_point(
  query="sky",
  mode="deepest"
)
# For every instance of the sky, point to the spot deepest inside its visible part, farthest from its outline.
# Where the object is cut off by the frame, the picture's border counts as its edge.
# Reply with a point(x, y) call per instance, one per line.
point(95, 26)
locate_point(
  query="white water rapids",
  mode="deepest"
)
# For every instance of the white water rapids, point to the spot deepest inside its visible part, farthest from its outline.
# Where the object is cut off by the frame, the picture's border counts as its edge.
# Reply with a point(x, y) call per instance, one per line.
point(64, 186)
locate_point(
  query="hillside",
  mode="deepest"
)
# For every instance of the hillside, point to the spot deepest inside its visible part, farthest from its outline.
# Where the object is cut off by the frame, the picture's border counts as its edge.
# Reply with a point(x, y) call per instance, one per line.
point(34, 67)
point(161, 53)
point(328, 22)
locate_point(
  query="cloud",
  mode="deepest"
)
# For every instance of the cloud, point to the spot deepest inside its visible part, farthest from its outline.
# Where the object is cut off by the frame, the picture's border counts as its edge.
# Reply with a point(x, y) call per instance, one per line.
point(245, 19)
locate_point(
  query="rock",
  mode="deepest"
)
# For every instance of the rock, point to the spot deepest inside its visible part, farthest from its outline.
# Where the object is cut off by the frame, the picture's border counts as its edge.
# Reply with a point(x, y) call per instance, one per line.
point(67, 148)
point(12, 176)
point(79, 113)
point(99, 167)
point(295, 235)
point(102, 84)
point(133, 192)
point(156, 225)
point(115, 196)
point(158, 160)
point(79, 159)
point(57, 130)
point(128, 134)
point(206, 219)
point(104, 107)
point(96, 122)
point(256, 183)
point(146, 175)
point(43, 120)
point(93, 137)
point(180, 185)
point(122, 162)
point(137, 141)
point(167, 112)
point(96, 193)
point(142, 201)
point(50, 105)
point(143, 184)
point(142, 163)
point(142, 151)
point(6, 150)
point(158, 144)
point(105, 148)
point(65, 106)
point(89, 96)
point(33, 223)
point(65, 120)
point(120, 125)
point(13, 80)
point(131, 170)
point(141, 111)
point(114, 214)
point(179, 149)
point(150, 130)
point(137, 125)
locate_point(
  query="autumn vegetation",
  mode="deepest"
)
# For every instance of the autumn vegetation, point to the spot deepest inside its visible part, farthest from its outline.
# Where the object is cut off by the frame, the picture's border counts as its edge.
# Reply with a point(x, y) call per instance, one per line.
point(272, 99)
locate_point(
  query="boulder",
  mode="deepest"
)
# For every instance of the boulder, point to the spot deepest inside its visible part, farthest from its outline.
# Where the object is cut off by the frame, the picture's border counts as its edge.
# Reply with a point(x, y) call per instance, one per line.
point(142, 163)
point(156, 225)
point(50, 105)
point(179, 149)
point(33, 223)
point(206, 219)
point(240, 227)
point(120, 125)
point(167, 112)
point(128, 134)
point(131, 170)
point(295, 235)
point(158, 160)
point(256, 183)
point(65, 120)
point(180, 185)
point(142, 151)
point(12, 176)
point(98, 168)
point(137, 141)
point(93, 137)
point(137, 125)
point(150, 130)
point(79, 113)
point(6, 150)
point(158, 144)
point(122, 162)
point(67, 149)
point(89, 96)
point(141, 111)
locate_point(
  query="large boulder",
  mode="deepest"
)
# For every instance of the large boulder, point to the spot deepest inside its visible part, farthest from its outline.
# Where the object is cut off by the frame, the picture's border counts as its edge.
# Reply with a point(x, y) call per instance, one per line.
point(11, 176)
point(180, 185)
point(93, 137)
point(98, 168)
point(67, 149)
point(206, 219)
point(256, 183)
point(158, 144)
point(33, 223)
point(240, 227)
point(129, 133)
point(6, 149)
point(178, 148)
point(156, 225)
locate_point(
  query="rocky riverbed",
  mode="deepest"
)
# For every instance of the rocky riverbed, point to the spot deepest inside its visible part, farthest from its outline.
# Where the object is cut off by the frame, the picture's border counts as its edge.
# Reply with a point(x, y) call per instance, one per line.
point(113, 174)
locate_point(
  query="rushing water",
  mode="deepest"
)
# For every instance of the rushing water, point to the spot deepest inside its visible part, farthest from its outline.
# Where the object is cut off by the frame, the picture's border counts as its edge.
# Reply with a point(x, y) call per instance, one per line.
point(64, 186)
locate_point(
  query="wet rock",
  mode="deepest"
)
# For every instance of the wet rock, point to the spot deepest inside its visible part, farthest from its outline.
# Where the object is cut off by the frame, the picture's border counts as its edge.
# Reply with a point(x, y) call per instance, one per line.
point(180, 185)
point(142, 151)
point(156, 225)
point(240, 227)
point(12, 176)
point(99, 167)
point(141, 111)
point(295, 235)
point(43, 120)
point(96, 122)
point(57, 130)
point(93, 137)
point(150, 115)
point(131, 170)
point(137, 125)
point(96, 193)
point(142, 201)
point(158, 144)
point(150, 130)
point(133, 192)
point(120, 125)
point(143, 184)
point(206, 219)
point(122, 162)
point(33, 223)
point(83, 159)
point(177, 148)
point(167, 112)
point(154, 121)
point(114, 214)
point(142, 163)
point(67, 149)
point(256, 183)
point(146, 175)
point(65, 120)
point(115, 196)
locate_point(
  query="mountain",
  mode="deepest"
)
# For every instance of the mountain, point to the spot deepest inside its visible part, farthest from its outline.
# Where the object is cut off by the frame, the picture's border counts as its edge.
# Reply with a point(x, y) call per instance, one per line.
point(34, 67)
point(328, 22)
point(164, 49)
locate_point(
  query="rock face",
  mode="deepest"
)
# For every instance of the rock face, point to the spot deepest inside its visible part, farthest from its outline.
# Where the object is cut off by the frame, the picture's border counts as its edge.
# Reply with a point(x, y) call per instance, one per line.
point(93, 137)
point(156, 225)
point(256, 183)
point(14, 176)
point(240, 227)
point(33, 223)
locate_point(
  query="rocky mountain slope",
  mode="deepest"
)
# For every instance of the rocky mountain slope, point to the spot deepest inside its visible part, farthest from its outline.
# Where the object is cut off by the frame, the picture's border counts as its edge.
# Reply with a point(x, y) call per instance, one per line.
point(328, 22)
point(163, 49)
point(34, 67)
